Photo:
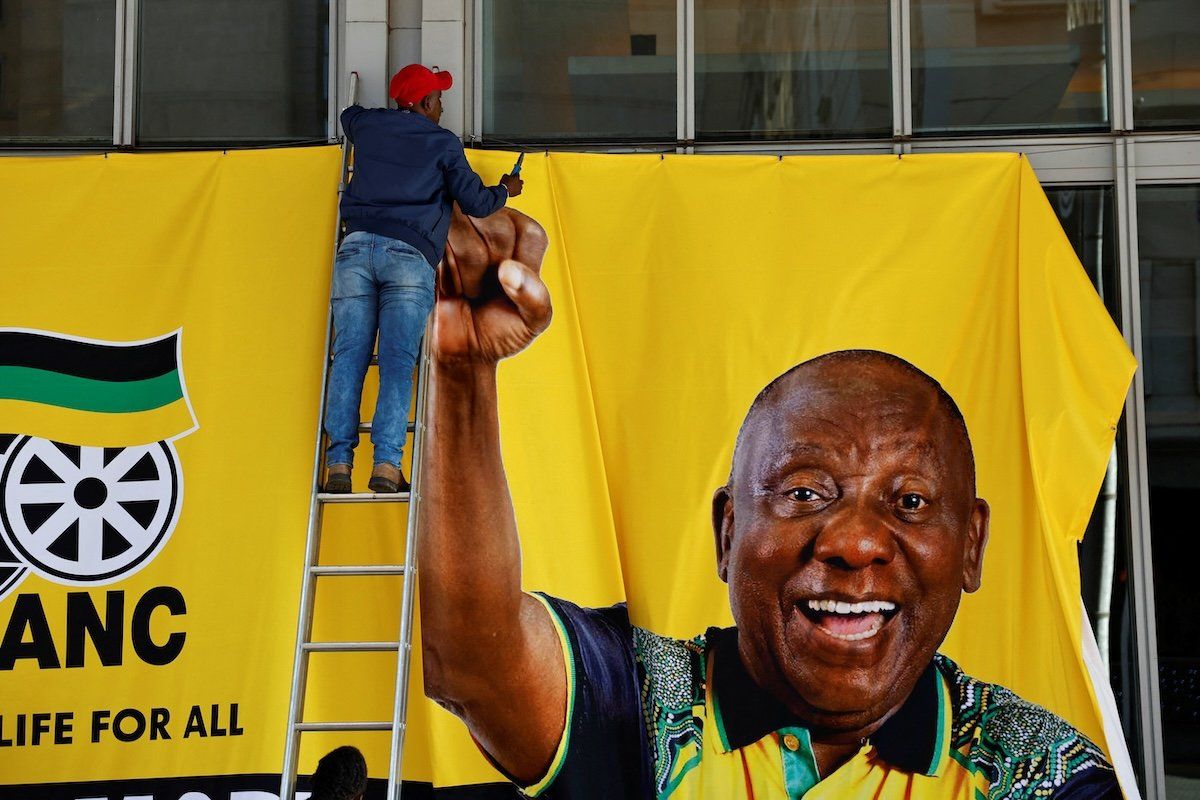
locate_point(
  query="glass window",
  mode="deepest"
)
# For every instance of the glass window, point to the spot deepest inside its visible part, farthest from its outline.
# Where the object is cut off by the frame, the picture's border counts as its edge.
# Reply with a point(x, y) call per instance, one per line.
point(792, 68)
point(232, 70)
point(591, 70)
point(1087, 217)
point(1166, 63)
point(57, 70)
point(1169, 249)
point(989, 65)
point(1086, 214)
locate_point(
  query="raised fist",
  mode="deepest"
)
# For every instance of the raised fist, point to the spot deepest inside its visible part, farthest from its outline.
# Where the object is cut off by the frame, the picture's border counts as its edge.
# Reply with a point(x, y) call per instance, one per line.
point(491, 301)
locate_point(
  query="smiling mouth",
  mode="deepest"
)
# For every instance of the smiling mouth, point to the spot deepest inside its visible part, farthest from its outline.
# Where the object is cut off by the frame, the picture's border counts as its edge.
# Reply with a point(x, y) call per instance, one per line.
point(849, 622)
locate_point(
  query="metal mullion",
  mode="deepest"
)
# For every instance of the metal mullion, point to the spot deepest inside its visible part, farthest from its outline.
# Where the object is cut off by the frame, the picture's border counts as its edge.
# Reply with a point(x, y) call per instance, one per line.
point(334, 68)
point(689, 75)
point(118, 73)
point(900, 55)
point(1168, 158)
point(1061, 160)
point(125, 72)
point(475, 129)
point(865, 147)
point(1142, 594)
point(685, 73)
point(1119, 66)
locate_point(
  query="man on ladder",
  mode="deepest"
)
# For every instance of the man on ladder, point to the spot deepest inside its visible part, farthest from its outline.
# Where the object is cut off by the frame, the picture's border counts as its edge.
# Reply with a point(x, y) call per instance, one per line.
point(408, 171)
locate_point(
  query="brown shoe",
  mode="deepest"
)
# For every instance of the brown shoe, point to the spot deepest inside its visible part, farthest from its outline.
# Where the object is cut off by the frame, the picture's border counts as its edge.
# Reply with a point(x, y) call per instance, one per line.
point(387, 479)
point(337, 479)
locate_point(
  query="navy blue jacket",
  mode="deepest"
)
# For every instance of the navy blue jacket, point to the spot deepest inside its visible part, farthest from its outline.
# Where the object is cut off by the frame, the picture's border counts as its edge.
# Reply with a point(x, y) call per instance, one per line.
point(407, 173)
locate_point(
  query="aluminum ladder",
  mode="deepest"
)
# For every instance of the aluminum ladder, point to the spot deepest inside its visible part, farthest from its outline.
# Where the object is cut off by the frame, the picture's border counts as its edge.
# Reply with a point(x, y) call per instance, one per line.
point(313, 571)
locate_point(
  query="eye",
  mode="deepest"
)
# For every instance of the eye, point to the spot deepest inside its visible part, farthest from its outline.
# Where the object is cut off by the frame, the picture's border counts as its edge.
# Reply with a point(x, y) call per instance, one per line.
point(911, 501)
point(803, 494)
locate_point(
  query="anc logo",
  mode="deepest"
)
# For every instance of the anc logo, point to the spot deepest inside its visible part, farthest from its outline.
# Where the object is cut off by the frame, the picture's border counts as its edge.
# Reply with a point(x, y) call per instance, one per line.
point(90, 482)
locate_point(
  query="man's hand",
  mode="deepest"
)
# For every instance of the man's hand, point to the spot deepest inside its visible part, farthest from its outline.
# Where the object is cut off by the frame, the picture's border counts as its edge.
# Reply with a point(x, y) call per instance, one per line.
point(491, 300)
point(513, 184)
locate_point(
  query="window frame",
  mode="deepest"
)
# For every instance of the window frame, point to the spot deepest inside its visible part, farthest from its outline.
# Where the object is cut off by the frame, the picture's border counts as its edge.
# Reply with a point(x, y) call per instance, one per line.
point(1118, 88)
point(125, 84)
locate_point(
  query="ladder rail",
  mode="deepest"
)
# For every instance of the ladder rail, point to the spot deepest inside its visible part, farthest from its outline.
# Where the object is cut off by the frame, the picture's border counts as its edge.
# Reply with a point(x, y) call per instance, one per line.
point(312, 546)
point(408, 594)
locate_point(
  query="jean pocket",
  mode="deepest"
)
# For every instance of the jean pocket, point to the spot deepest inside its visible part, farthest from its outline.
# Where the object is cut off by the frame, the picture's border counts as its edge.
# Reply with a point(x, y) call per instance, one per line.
point(397, 250)
point(349, 250)
point(405, 267)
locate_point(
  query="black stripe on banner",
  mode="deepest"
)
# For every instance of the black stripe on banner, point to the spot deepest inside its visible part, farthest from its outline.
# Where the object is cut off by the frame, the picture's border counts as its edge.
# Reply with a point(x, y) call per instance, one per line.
point(236, 787)
point(104, 362)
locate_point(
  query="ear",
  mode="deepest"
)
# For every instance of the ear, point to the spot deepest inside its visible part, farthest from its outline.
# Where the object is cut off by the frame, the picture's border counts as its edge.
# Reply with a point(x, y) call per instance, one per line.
point(977, 536)
point(722, 521)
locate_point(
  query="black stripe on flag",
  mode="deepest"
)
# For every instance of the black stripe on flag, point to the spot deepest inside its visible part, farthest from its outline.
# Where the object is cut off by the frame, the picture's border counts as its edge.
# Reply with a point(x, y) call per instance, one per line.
point(104, 362)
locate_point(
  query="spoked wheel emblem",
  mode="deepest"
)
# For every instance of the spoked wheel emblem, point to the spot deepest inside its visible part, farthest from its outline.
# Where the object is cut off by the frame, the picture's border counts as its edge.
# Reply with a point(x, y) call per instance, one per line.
point(88, 514)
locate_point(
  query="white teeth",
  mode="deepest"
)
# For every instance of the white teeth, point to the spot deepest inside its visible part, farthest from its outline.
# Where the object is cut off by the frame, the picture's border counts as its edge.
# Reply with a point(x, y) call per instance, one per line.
point(838, 607)
point(855, 637)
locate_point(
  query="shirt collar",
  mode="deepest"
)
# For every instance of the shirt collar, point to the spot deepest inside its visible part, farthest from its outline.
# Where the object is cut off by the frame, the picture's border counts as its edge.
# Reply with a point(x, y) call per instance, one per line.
point(913, 739)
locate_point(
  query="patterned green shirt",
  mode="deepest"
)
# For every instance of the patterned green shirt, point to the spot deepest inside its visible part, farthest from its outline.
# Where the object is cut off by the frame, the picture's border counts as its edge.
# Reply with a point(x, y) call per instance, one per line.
point(653, 717)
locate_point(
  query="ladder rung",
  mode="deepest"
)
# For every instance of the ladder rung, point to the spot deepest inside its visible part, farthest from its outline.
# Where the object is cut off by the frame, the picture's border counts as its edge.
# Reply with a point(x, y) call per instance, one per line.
point(366, 569)
point(365, 427)
point(351, 647)
point(364, 497)
point(344, 726)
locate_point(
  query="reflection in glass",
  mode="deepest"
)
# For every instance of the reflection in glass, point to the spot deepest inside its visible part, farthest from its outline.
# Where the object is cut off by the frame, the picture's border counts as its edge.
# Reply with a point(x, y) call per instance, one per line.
point(790, 68)
point(589, 70)
point(1087, 217)
point(1166, 63)
point(56, 70)
point(1169, 274)
point(1008, 64)
point(232, 70)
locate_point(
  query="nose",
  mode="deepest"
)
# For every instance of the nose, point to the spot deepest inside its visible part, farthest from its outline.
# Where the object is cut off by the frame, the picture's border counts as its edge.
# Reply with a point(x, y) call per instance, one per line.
point(855, 538)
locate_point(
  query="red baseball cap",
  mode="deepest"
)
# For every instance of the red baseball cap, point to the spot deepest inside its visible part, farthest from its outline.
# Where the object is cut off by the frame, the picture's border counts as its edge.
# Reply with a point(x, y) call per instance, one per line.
point(410, 85)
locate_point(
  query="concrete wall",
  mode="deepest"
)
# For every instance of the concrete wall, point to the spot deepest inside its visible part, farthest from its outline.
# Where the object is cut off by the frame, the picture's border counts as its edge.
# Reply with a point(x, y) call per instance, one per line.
point(364, 49)
point(443, 44)
point(404, 34)
point(381, 36)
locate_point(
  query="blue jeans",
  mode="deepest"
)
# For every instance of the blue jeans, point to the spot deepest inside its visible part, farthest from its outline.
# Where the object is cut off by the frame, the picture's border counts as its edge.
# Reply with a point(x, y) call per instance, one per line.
point(384, 285)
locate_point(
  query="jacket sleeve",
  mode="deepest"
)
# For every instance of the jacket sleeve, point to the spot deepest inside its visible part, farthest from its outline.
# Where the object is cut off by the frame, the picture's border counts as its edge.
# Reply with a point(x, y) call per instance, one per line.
point(348, 117)
point(473, 197)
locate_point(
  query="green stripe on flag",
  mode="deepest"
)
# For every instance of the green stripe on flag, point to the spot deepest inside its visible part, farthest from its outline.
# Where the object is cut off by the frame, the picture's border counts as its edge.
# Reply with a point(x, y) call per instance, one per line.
point(86, 394)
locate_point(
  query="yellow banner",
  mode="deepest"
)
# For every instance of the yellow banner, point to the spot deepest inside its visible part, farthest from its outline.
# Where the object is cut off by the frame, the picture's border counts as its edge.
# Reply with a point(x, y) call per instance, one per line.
point(682, 285)
point(168, 312)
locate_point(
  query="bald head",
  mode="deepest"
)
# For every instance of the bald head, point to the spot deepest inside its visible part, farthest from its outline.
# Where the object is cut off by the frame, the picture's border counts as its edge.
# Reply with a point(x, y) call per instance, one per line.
point(857, 373)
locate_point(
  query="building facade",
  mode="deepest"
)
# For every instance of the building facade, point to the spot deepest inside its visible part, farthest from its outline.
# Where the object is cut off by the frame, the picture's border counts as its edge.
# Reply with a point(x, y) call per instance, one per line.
point(1102, 95)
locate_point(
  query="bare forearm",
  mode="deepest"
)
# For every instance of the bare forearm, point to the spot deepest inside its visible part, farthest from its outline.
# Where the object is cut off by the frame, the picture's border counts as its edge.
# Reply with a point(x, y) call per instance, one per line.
point(491, 654)
point(469, 554)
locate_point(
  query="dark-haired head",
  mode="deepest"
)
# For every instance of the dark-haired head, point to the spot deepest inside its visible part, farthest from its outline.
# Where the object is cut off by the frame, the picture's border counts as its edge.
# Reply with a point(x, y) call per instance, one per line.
point(341, 775)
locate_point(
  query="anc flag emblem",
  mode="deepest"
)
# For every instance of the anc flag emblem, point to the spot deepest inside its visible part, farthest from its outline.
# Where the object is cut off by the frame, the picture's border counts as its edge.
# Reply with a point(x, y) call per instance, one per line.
point(91, 392)
point(90, 481)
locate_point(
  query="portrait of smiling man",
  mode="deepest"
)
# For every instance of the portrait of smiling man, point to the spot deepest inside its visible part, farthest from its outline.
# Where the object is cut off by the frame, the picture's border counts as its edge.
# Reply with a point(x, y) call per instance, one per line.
point(847, 532)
